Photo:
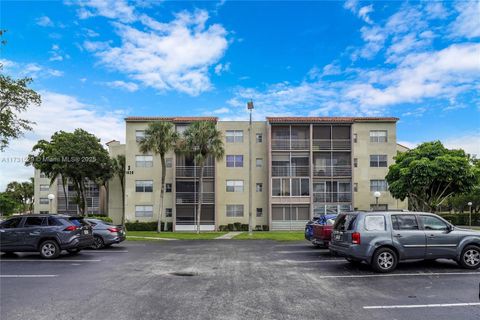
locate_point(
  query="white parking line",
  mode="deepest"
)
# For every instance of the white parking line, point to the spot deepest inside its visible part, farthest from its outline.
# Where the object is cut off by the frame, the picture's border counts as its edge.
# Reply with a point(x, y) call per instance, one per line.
point(106, 251)
point(28, 275)
point(152, 238)
point(39, 260)
point(437, 305)
point(305, 251)
point(315, 261)
point(401, 275)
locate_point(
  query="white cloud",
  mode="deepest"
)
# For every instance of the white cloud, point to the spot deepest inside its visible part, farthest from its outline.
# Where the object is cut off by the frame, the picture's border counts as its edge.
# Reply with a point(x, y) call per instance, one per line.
point(167, 56)
point(57, 112)
point(361, 12)
point(90, 33)
point(221, 110)
point(31, 70)
point(112, 9)
point(129, 86)
point(222, 68)
point(56, 54)
point(467, 23)
point(44, 21)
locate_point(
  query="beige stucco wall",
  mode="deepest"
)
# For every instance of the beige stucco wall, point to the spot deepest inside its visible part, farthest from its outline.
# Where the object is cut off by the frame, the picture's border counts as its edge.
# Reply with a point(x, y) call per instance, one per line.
point(114, 196)
point(362, 149)
point(260, 175)
point(37, 207)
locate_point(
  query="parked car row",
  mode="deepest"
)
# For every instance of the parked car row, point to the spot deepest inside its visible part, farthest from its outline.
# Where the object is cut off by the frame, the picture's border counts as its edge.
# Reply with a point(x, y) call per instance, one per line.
point(383, 239)
point(49, 234)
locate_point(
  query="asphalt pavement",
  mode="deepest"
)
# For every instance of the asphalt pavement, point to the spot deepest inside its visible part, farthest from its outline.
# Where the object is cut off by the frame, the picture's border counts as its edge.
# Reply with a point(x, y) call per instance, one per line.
point(229, 279)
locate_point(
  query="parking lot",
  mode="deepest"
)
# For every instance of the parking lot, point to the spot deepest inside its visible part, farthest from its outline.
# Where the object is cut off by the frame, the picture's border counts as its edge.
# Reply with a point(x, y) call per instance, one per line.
point(229, 279)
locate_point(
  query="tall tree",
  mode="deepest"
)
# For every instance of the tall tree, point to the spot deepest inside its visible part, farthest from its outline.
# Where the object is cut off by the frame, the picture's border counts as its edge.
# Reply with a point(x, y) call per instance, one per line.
point(22, 192)
point(77, 156)
point(160, 138)
point(201, 140)
point(7, 204)
point(430, 174)
point(118, 165)
point(15, 98)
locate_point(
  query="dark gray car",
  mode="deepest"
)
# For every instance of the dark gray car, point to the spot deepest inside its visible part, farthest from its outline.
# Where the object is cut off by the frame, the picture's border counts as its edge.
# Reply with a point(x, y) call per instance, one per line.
point(106, 233)
point(382, 239)
point(47, 234)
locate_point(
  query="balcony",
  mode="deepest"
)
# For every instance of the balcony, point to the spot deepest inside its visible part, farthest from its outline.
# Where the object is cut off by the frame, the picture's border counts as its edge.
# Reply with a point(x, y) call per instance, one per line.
point(293, 171)
point(332, 197)
point(192, 171)
point(328, 145)
point(192, 197)
point(290, 144)
point(332, 171)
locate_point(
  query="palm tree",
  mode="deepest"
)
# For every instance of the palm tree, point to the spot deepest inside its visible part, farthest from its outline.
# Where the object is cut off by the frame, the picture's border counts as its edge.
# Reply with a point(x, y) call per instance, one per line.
point(201, 140)
point(118, 165)
point(160, 138)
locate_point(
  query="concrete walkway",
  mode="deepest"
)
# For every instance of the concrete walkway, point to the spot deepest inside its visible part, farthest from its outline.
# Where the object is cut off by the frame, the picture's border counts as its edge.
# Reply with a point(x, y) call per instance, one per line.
point(229, 235)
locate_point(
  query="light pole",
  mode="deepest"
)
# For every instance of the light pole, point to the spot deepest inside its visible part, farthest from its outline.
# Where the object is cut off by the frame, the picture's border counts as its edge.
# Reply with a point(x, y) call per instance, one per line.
point(377, 195)
point(250, 194)
point(470, 213)
point(50, 197)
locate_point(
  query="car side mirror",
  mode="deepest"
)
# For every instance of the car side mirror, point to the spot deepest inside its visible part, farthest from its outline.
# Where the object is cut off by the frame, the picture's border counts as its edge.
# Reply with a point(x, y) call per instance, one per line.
point(450, 228)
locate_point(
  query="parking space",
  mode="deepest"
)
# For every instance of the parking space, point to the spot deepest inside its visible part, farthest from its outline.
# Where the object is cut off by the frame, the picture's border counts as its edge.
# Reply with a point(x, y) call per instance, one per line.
point(230, 279)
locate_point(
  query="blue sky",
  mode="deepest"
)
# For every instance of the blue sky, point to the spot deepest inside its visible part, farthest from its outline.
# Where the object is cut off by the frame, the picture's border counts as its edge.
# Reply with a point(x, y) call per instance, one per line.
point(95, 62)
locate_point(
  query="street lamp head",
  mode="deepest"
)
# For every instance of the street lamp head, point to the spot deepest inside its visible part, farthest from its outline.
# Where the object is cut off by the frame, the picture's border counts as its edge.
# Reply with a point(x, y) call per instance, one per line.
point(377, 194)
point(470, 203)
point(250, 105)
point(51, 196)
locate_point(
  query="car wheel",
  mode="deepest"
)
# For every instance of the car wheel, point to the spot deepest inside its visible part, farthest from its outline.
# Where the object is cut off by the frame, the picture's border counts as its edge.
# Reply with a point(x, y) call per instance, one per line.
point(49, 249)
point(74, 251)
point(470, 257)
point(384, 260)
point(98, 243)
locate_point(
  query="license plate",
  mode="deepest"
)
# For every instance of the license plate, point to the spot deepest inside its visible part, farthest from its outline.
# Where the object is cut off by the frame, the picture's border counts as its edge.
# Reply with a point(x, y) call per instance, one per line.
point(85, 231)
point(338, 236)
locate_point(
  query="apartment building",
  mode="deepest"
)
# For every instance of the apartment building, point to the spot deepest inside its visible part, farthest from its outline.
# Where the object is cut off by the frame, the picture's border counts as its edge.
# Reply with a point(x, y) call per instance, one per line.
point(302, 166)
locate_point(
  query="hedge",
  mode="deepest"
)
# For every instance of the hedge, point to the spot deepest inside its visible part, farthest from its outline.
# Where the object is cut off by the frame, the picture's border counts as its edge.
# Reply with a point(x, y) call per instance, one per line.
point(237, 226)
point(145, 226)
point(103, 218)
point(462, 219)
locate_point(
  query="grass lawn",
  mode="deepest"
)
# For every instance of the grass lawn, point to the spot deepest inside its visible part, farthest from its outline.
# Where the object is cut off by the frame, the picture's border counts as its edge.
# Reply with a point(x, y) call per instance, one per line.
point(205, 235)
point(272, 235)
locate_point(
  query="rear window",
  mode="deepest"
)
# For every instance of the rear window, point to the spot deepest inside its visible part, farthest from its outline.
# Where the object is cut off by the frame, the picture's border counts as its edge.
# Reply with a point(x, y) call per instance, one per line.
point(404, 222)
point(345, 222)
point(33, 221)
point(77, 221)
point(51, 221)
point(375, 223)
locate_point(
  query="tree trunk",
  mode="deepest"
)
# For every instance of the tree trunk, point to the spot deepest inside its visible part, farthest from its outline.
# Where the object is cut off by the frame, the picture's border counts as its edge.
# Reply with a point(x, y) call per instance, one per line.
point(122, 186)
point(200, 197)
point(162, 193)
point(64, 181)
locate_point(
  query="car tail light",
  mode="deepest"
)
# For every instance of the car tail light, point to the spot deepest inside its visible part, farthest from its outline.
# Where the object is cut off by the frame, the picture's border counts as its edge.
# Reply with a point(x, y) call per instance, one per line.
point(113, 229)
point(70, 228)
point(356, 238)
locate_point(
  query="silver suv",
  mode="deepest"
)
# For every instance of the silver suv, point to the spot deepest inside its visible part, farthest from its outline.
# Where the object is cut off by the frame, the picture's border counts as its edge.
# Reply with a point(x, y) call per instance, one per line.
point(384, 238)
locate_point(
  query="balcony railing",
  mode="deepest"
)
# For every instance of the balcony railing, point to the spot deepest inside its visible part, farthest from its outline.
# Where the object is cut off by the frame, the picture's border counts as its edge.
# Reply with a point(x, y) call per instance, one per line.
point(332, 171)
point(327, 144)
point(290, 144)
point(192, 197)
point(292, 171)
point(191, 171)
point(332, 197)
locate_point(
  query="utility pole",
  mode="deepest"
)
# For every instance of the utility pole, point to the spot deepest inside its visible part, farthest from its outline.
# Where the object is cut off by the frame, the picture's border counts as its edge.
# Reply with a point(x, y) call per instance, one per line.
point(250, 160)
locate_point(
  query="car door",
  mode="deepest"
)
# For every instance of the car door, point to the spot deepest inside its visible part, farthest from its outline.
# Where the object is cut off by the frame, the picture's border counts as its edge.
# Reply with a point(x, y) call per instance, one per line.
point(31, 231)
point(9, 238)
point(441, 243)
point(408, 237)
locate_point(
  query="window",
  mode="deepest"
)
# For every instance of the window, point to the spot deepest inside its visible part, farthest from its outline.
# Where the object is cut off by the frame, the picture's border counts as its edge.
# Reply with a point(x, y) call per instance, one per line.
point(42, 175)
point(259, 187)
point(168, 162)
point(234, 161)
point(378, 160)
point(44, 201)
point(44, 187)
point(11, 223)
point(259, 137)
point(51, 221)
point(143, 211)
point(379, 207)
point(355, 187)
point(375, 223)
point(43, 212)
point(355, 162)
point(234, 136)
point(433, 223)
point(234, 185)
point(259, 212)
point(168, 212)
point(259, 162)
point(234, 210)
point(144, 186)
point(378, 136)
point(168, 187)
point(378, 185)
point(33, 222)
point(143, 161)
point(355, 138)
point(294, 187)
point(139, 135)
point(404, 222)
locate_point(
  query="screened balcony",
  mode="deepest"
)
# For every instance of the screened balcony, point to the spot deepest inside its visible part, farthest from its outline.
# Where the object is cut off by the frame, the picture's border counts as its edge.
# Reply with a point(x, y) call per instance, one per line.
point(290, 138)
point(331, 137)
point(332, 164)
point(186, 168)
point(290, 164)
point(192, 197)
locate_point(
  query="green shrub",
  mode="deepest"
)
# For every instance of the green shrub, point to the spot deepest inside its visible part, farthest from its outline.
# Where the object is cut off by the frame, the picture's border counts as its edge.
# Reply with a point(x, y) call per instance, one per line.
point(103, 218)
point(244, 227)
point(258, 228)
point(462, 219)
point(223, 227)
point(145, 226)
point(265, 227)
point(230, 227)
point(237, 226)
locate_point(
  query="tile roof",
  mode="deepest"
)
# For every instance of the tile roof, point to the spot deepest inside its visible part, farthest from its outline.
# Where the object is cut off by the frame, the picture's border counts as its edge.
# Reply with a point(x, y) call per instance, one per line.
point(173, 119)
point(329, 119)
